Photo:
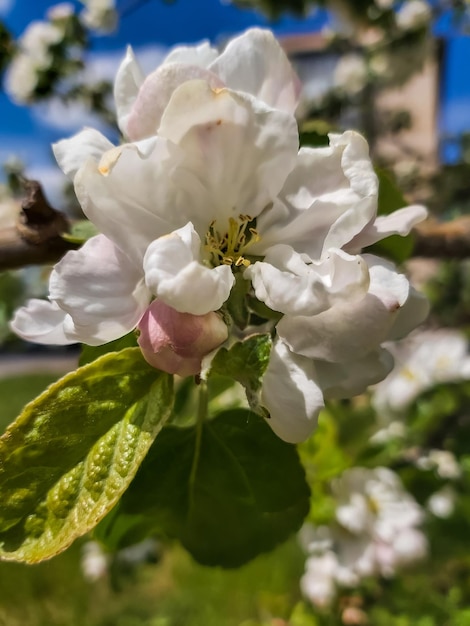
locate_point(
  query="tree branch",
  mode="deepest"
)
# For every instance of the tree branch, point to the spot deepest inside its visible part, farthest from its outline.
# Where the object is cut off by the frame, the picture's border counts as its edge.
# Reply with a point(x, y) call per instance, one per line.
point(37, 236)
point(443, 240)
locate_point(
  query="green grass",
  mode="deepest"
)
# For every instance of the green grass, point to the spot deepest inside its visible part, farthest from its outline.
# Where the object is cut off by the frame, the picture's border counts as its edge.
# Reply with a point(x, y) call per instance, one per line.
point(15, 392)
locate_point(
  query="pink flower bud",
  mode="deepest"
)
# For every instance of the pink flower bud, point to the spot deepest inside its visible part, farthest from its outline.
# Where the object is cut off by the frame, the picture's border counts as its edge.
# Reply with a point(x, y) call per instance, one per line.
point(177, 342)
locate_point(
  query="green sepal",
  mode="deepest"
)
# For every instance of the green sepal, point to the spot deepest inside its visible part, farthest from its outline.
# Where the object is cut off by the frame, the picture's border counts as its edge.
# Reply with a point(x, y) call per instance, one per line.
point(228, 492)
point(70, 455)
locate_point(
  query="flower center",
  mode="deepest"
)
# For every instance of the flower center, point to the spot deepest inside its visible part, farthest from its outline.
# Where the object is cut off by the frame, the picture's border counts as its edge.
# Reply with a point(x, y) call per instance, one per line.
point(229, 247)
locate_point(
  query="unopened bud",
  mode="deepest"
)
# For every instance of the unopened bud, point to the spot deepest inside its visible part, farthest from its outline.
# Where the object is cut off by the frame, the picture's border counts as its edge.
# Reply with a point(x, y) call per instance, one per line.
point(177, 342)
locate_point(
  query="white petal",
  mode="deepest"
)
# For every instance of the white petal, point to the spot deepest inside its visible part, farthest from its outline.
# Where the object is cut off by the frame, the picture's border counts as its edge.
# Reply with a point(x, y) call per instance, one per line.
point(101, 290)
point(291, 394)
point(350, 329)
point(286, 283)
point(237, 152)
point(345, 380)
point(256, 63)
point(201, 55)
point(128, 80)
point(41, 321)
point(329, 197)
point(155, 93)
point(413, 313)
point(124, 195)
point(72, 153)
point(174, 273)
point(397, 223)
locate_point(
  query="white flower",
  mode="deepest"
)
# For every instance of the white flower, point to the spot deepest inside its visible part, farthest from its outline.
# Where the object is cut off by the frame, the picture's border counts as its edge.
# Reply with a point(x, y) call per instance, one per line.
point(94, 562)
point(220, 186)
point(33, 57)
point(442, 502)
point(99, 14)
point(443, 461)
point(421, 361)
point(318, 583)
point(376, 532)
point(351, 73)
point(413, 14)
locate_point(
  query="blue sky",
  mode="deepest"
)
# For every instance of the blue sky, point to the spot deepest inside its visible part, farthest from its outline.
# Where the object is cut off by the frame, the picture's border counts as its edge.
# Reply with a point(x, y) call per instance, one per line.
point(151, 28)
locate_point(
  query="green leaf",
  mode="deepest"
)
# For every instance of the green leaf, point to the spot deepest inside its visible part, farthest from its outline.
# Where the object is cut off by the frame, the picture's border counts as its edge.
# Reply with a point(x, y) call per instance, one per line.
point(246, 361)
point(228, 493)
point(80, 232)
point(91, 353)
point(73, 451)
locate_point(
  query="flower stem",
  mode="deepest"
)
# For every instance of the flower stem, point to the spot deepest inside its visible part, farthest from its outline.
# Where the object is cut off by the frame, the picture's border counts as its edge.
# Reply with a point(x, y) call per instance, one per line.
point(201, 416)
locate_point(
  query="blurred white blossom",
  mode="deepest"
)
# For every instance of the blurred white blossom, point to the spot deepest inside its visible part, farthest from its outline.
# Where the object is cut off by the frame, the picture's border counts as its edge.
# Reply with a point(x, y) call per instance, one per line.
point(442, 461)
point(33, 56)
point(351, 74)
point(375, 533)
point(442, 502)
point(422, 360)
point(413, 14)
point(99, 15)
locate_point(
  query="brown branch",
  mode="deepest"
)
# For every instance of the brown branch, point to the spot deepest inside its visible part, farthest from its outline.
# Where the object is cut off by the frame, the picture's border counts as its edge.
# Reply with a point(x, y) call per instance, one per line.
point(37, 237)
point(443, 240)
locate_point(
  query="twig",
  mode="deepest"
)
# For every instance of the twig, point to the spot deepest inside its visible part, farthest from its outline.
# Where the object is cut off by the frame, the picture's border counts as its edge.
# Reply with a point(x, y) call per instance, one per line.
point(36, 238)
point(443, 240)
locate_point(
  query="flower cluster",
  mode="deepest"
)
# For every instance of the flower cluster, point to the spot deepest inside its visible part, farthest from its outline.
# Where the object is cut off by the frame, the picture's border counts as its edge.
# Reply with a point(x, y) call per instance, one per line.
point(375, 533)
point(100, 14)
point(422, 361)
point(41, 56)
point(210, 190)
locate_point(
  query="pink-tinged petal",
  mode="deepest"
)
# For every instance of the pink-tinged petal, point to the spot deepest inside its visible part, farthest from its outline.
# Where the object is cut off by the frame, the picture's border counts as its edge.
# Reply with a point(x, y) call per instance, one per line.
point(329, 196)
point(397, 223)
point(285, 282)
point(72, 153)
point(256, 63)
point(154, 95)
point(177, 342)
point(101, 290)
point(41, 321)
point(237, 152)
point(201, 55)
point(175, 274)
point(124, 193)
point(350, 330)
point(129, 79)
point(291, 394)
point(345, 380)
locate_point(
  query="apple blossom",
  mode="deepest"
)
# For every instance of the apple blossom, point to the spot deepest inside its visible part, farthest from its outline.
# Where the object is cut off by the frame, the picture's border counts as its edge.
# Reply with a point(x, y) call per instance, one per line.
point(375, 532)
point(422, 360)
point(213, 188)
point(413, 14)
point(99, 14)
point(33, 57)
